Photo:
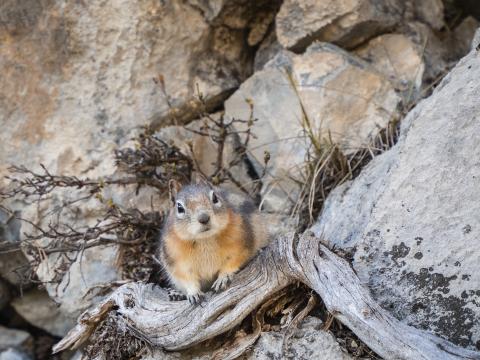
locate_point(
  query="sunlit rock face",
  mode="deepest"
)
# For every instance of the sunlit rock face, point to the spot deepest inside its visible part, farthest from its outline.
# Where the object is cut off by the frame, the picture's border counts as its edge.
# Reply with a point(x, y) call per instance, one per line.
point(77, 77)
point(325, 94)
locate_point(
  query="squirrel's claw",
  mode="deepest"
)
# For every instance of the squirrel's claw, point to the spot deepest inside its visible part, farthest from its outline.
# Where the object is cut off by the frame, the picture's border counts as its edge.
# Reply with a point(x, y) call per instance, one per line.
point(175, 295)
point(195, 299)
point(222, 282)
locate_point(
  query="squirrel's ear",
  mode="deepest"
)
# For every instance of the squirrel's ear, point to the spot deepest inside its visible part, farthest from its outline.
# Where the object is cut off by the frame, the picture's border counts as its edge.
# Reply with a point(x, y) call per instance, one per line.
point(173, 188)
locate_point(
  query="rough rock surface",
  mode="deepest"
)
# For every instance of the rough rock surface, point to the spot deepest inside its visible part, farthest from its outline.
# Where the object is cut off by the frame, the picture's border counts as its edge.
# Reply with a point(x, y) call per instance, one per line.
point(39, 310)
point(308, 342)
point(412, 214)
point(341, 96)
point(77, 79)
point(345, 22)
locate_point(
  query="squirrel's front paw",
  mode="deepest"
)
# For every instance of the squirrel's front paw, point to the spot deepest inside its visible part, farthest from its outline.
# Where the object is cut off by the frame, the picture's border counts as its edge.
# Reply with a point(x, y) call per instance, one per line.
point(195, 298)
point(175, 295)
point(222, 282)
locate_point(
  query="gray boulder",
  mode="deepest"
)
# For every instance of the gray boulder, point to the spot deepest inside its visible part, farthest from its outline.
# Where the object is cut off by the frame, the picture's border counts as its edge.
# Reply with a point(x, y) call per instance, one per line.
point(411, 217)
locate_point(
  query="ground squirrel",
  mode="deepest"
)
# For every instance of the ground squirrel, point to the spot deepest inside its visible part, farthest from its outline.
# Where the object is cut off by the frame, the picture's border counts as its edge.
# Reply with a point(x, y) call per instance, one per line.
point(209, 234)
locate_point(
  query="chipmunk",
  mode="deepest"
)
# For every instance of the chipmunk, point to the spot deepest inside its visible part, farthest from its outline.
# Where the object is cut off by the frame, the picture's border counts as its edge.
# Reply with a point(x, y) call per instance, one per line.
point(209, 234)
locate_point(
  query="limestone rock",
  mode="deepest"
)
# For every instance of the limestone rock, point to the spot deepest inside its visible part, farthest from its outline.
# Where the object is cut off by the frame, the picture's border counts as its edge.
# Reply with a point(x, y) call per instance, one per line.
point(38, 309)
point(398, 58)
point(342, 97)
point(15, 339)
point(308, 342)
point(78, 79)
point(412, 214)
point(347, 22)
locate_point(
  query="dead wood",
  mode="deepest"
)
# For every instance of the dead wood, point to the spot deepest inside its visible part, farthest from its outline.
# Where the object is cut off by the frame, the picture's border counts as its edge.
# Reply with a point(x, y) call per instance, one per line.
point(149, 316)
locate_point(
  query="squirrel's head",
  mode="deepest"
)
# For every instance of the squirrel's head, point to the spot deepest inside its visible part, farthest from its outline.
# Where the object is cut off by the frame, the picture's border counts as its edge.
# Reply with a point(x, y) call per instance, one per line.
point(198, 211)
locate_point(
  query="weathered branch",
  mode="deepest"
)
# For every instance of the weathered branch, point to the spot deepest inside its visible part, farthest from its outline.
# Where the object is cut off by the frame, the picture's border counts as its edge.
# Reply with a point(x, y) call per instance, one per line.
point(178, 325)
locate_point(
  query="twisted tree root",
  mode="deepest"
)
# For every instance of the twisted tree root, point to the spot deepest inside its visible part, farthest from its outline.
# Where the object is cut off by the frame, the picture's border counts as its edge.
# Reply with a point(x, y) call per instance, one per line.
point(178, 325)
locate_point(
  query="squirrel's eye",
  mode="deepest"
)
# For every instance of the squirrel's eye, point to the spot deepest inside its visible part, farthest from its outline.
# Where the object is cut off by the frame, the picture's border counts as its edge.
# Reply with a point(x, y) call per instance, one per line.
point(214, 197)
point(180, 208)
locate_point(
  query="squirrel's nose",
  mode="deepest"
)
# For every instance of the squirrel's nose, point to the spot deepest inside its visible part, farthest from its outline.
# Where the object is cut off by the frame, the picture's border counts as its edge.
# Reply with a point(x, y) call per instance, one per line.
point(203, 218)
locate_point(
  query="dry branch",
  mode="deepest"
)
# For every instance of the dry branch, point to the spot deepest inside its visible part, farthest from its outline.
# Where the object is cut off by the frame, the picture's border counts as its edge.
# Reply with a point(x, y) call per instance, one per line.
point(177, 325)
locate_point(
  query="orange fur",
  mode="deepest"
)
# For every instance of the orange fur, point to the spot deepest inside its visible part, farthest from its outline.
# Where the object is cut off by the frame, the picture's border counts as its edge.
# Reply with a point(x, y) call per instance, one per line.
point(196, 261)
point(198, 256)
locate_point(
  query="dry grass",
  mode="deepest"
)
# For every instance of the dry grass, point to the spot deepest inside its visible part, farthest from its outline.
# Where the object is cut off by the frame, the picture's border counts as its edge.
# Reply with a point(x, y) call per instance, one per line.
point(327, 167)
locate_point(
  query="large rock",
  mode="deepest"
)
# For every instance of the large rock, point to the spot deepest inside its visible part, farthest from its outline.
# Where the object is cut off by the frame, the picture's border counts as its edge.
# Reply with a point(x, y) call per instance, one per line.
point(39, 310)
point(345, 22)
point(308, 342)
point(411, 217)
point(334, 94)
point(77, 79)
